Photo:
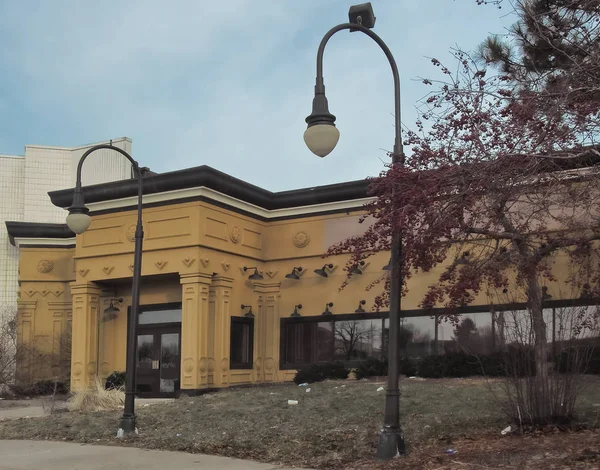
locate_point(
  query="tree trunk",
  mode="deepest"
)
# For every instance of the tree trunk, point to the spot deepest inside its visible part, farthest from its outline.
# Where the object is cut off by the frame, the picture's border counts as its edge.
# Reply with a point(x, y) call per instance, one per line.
point(541, 406)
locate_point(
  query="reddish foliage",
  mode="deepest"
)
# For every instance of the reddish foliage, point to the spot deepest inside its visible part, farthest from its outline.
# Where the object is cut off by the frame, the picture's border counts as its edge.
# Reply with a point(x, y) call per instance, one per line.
point(491, 173)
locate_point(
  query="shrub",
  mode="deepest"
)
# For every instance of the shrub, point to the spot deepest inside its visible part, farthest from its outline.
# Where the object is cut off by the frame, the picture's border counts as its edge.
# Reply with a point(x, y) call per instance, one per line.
point(583, 359)
point(320, 372)
point(43, 387)
point(96, 398)
point(371, 367)
point(115, 380)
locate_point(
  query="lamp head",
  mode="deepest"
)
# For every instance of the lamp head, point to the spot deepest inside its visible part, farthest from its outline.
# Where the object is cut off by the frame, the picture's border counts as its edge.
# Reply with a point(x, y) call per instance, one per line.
point(295, 313)
point(256, 276)
point(294, 273)
point(321, 135)
point(78, 219)
point(322, 272)
point(358, 268)
point(327, 311)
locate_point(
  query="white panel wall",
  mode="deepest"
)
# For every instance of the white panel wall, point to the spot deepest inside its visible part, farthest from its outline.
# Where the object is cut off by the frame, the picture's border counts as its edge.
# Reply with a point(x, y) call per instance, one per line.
point(12, 178)
point(102, 166)
point(46, 169)
point(24, 186)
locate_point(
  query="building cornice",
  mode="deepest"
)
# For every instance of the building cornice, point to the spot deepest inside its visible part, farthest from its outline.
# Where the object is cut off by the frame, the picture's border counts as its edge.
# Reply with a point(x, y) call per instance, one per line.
point(39, 234)
point(210, 183)
point(223, 200)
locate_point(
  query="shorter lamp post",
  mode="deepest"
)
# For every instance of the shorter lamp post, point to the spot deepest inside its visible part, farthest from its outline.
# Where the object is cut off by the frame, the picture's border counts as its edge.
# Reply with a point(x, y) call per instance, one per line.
point(78, 221)
point(321, 137)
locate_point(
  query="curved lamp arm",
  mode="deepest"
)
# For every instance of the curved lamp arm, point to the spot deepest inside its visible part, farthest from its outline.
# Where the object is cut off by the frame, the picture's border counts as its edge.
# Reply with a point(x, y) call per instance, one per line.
point(78, 199)
point(321, 113)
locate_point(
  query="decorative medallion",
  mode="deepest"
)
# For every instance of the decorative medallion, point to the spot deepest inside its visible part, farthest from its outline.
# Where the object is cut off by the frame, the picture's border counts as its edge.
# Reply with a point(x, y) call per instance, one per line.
point(44, 292)
point(188, 364)
point(204, 261)
point(188, 261)
point(131, 233)
point(83, 272)
point(301, 239)
point(108, 269)
point(58, 292)
point(235, 234)
point(45, 266)
point(271, 274)
point(160, 264)
point(77, 368)
point(130, 267)
point(226, 266)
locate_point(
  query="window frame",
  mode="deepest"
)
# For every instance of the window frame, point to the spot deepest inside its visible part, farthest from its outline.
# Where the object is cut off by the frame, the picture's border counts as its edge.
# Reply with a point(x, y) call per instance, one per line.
point(242, 365)
point(433, 314)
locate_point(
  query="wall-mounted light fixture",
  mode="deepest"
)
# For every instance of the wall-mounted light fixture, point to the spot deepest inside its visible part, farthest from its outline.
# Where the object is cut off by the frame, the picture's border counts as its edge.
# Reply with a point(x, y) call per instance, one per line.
point(358, 268)
point(360, 309)
point(249, 313)
point(464, 259)
point(322, 271)
point(388, 266)
point(111, 309)
point(295, 313)
point(295, 274)
point(327, 311)
point(256, 276)
point(111, 312)
point(545, 295)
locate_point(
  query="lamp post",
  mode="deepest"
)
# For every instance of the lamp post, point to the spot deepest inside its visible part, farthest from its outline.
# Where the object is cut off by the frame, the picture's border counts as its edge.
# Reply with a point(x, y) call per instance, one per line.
point(78, 221)
point(321, 137)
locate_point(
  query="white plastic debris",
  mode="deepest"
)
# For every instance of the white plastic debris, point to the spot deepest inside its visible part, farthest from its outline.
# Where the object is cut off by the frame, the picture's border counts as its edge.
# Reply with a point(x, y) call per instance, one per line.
point(305, 384)
point(380, 389)
point(292, 402)
point(412, 377)
point(506, 430)
point(308, 390)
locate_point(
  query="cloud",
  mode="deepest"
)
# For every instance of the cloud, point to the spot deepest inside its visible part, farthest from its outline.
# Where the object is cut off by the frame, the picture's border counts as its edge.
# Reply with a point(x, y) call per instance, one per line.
point(227, 84)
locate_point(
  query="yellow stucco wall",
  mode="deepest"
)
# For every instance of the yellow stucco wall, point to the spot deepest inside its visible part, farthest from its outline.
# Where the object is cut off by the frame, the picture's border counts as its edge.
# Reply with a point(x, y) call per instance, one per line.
point(44, 313)
point(194, 253)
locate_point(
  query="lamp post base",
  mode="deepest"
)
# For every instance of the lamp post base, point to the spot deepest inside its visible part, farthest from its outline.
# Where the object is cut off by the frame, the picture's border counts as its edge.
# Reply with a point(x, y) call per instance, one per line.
point(391, 443)
point(127, 427)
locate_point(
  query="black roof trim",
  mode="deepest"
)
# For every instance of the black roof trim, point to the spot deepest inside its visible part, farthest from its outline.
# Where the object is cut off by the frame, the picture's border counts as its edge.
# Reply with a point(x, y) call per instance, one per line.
point(221, 182)
point(36, 230)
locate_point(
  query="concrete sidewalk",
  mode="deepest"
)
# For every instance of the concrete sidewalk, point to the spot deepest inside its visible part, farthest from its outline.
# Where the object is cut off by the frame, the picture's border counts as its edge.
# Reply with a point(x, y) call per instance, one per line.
point(34, 408)
point(47, 455)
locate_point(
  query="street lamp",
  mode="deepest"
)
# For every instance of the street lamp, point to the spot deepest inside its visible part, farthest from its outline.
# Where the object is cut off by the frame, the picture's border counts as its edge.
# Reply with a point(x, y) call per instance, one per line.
point(321, 137)
point(78, 221)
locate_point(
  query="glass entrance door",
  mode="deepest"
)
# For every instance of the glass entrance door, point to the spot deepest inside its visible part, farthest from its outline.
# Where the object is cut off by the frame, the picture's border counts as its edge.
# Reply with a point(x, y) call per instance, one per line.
point(158, 361)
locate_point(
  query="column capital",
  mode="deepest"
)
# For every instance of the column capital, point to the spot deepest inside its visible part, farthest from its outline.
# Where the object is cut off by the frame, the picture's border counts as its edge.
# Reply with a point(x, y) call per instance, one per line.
point(222, 281)
point(87, 287)
point(267, 287)
point(195, 278)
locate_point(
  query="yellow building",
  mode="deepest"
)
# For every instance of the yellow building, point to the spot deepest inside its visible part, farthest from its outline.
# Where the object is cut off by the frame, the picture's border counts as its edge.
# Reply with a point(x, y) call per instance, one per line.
point(234, 286)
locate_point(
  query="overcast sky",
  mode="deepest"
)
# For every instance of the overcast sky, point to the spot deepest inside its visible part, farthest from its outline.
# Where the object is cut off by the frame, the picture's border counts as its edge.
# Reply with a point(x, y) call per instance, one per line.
point(223, 83)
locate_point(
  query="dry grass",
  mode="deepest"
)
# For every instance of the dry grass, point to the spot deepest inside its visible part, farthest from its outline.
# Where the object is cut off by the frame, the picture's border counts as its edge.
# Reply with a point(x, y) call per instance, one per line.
point(335, 425)
point(96, 398)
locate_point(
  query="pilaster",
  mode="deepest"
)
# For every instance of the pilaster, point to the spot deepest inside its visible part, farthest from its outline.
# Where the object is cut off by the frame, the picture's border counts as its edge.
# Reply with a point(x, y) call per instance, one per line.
point(84, 336)
point(266, 345)
point(195, 330)
point(220, 318)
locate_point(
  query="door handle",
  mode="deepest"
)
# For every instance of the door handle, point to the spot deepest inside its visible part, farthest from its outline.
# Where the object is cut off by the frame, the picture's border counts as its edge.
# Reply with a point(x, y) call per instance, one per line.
point(155, 364)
